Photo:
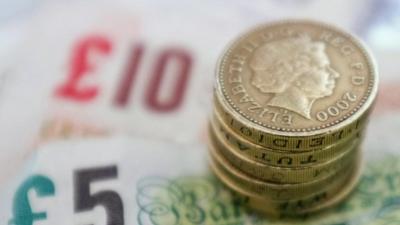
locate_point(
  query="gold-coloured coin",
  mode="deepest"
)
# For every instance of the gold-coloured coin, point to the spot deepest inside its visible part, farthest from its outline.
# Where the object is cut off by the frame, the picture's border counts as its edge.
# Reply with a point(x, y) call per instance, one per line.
point(291, 143)
point(279, 158)
point(281, 175)
point(295, 85)
point(314, 203)
point(272, 191)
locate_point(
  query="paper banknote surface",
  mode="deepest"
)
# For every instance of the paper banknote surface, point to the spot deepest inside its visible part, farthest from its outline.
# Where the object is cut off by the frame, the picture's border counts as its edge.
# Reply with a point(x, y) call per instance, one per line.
point(103, 110)
point(125, 180)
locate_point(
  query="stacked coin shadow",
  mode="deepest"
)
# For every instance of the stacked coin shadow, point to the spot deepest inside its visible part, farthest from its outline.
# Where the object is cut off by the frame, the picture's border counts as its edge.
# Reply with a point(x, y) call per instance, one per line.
point(266, 142)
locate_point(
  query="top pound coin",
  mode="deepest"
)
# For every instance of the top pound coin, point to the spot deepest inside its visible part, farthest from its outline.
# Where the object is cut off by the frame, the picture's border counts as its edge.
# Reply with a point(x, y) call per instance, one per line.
point(296, 78)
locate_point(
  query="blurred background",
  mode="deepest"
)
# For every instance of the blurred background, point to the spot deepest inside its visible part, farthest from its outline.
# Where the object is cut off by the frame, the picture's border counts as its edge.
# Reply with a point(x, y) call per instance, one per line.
point(74, 70)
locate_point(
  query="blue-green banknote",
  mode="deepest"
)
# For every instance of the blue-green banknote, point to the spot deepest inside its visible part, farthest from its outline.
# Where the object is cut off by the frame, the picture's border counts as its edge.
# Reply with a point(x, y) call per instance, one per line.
point(122, 180)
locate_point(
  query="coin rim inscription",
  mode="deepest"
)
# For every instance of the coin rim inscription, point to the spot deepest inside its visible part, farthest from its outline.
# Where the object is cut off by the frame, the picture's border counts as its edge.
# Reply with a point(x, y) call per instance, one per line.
point(286, 175)
point(365, 102)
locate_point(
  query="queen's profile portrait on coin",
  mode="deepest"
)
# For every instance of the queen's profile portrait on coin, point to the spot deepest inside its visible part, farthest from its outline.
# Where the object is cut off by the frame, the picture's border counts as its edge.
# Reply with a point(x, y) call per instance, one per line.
point(296, 70)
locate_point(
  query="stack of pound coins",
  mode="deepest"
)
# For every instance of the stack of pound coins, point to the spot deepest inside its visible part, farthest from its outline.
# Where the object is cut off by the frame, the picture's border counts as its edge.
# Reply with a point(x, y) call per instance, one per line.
point(291, 104)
